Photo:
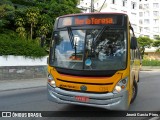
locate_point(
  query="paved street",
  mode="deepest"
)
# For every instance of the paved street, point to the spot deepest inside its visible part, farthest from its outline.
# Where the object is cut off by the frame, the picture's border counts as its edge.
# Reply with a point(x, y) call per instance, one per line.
point(6, 85)
point(148, 98)
point(35, 98)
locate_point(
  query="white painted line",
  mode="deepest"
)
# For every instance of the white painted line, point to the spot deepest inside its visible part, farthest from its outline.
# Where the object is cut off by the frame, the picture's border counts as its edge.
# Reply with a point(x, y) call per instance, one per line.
point(154, 118)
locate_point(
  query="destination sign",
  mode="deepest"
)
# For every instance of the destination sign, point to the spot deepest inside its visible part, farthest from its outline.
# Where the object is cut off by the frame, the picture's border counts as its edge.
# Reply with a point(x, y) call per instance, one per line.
point(89, 20)
point(93, 21)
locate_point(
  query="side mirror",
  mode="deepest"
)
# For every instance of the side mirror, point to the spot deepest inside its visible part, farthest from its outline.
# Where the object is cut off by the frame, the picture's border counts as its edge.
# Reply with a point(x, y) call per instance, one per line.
point(133, 43)
point(56, 36)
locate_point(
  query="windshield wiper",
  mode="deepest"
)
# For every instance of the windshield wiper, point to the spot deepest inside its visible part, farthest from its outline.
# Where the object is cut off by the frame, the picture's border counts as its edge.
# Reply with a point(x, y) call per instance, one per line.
point(97, 36)
point(100, 32)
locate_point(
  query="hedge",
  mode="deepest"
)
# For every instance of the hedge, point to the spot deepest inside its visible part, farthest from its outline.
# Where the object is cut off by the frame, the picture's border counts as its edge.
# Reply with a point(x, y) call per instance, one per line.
point(11, 44)
point(147, 62)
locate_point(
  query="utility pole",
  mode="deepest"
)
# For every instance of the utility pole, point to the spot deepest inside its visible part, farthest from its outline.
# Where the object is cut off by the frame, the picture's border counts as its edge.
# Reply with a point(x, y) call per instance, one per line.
point(92, 5)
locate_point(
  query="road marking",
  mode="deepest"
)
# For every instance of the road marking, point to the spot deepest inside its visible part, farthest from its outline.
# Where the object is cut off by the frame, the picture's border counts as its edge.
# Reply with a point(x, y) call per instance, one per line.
point(154, 118)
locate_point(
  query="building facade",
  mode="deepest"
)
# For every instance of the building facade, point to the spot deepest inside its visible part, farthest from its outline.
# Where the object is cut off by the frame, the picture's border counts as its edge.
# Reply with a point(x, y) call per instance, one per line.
point(149, 18)
point(144, 14)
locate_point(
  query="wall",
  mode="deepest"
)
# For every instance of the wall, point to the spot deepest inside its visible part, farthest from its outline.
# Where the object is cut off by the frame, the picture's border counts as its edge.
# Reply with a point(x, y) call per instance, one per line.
point(153, 55)
point(19, 67)
point(21, 61)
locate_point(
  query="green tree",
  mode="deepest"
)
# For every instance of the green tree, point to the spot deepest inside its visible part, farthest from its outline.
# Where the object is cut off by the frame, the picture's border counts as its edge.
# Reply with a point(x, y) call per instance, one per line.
point(6, 12)
point(20, 22)
point(144, 42)
point(44, 24)
point(32, 18)
point(32, 15)
point(44, 27)
point(156, 43)
point(62, 7)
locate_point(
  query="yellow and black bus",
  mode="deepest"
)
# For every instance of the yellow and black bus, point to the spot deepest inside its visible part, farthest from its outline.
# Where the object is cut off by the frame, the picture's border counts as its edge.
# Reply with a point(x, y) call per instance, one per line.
point(94, 61)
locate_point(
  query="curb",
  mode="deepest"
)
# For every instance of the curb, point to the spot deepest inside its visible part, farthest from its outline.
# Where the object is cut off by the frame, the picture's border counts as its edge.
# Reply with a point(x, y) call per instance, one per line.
point(7, 85)
point(150, 68)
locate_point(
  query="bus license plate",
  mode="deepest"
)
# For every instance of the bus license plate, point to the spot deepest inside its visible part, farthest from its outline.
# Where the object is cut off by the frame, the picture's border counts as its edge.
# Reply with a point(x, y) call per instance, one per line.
point(82, 98)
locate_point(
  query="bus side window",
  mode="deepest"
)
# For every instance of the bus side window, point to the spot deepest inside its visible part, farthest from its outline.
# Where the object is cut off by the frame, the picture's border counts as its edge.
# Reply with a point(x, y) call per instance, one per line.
point(131, 50)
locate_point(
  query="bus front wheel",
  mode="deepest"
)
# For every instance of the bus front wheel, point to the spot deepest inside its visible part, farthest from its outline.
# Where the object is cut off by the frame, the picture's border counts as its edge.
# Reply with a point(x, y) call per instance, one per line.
point(134, 91)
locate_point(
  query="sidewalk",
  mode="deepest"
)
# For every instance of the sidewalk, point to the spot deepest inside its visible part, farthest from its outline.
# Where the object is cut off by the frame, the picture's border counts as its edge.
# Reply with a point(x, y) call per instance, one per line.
point(22, 84)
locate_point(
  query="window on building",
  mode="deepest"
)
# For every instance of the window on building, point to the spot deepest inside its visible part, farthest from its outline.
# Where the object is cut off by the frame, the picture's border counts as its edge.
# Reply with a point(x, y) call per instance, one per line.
point(146, 13)
point(113, 1)
point(133, 14)
point(123, 3)
point(155, 5)
point(155, 13)
point(146, 21)
point(140, 29)
point(113, 9)
point(140, 14)
point(140, 6)
point(133, 6)
point(155, 36)
point(140, 21)
point(156, 29)
point(146, 29)
point(146, 6)
point(124, 11)
point(155, 21)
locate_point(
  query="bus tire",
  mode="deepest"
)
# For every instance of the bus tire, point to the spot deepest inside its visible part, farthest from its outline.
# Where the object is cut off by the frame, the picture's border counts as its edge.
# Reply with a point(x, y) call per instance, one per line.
point(138, 77)
point(134, 91)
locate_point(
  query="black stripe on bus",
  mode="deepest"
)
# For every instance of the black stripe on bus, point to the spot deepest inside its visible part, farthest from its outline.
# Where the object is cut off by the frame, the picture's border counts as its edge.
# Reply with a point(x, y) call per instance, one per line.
point(85, 83)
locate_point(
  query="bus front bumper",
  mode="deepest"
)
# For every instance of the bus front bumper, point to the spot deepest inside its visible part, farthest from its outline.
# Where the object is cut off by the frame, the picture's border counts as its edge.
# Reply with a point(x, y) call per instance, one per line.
point(108, 101)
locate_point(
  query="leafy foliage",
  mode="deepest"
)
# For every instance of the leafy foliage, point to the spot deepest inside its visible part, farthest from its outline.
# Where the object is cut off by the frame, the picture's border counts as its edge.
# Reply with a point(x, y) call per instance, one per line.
point(6, 12)
point(31, 19)
point(144, 42)
point(32, 15)
point(157, 44)
point(150, 62)
point(40, 15)
point(11, 44)
point(45, 25)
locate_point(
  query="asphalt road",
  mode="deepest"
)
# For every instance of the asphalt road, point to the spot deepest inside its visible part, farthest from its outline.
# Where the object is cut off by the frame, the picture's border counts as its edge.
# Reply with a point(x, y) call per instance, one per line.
point(35, 99)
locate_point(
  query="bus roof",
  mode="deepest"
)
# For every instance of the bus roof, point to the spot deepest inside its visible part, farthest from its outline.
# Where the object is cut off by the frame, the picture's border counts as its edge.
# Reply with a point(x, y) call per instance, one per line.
point(94, 13)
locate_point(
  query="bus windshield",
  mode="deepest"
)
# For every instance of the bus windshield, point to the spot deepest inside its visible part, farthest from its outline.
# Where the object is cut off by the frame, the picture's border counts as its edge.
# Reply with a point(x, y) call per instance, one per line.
point(99, 48)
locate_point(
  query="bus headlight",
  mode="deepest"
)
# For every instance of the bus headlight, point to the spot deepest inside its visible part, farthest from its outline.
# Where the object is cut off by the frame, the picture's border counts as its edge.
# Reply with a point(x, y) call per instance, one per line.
point(51, 80)
point(121, 85)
